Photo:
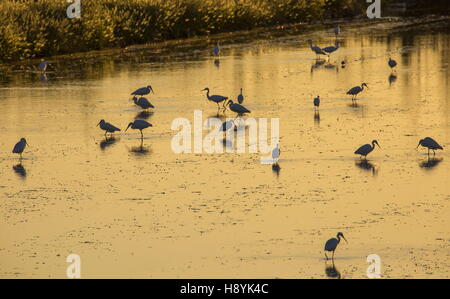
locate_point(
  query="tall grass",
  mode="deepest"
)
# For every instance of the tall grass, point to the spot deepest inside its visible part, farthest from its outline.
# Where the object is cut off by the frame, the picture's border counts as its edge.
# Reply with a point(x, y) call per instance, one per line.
point(38, 28)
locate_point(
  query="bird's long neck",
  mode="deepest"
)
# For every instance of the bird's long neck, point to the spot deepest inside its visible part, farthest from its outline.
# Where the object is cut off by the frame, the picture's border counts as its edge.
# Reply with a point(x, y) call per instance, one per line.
point(339, 239)
point(207, 94)
point(373, 145)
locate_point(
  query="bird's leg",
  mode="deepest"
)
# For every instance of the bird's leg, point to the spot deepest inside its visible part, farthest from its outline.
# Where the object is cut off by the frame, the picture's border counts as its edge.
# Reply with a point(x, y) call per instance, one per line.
point(332, 258)
point(142, 135)
point(326, 256)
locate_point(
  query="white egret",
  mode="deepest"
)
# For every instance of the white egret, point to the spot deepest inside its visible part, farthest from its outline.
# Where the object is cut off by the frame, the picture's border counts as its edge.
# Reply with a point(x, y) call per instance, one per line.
point(143, 91)
point(430, 144)
point(316, 102)
point(240, 98)
point(143, 103)
point(332, 244)
point(392, 63)
point(140, 125)
point(215, 98)
point(316, 49)
point(356, 90)
point(107, 127)
point(239, 109)
point(366, 149)
point(20, 147)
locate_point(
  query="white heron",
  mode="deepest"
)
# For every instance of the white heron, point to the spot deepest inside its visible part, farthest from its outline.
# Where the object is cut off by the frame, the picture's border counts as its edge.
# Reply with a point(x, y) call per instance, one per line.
point(316, 102)
point(330, 49)
point(143, 91)
point(140, 125)
point(332, 244)
point(216, 49)
point(356, 90)
point(215, 98)
point(237, 108)
point(430, 144)
point(316, 49)
point(20, 147)
point(392, 63)
point(107, 127)
point(240, 98)
point(366, 149)
point(276, 154)
point(143, 103)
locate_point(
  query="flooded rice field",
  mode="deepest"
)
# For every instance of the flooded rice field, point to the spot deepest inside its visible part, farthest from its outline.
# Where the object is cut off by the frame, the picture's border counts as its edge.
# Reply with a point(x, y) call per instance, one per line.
point(135, 208)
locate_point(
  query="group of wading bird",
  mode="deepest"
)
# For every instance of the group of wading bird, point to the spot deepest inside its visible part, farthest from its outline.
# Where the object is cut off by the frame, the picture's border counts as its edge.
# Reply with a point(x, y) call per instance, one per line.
point(240, 110)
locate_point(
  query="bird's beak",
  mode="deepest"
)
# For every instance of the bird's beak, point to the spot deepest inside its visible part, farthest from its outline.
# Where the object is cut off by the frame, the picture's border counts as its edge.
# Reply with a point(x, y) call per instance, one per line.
point(418, 146)
point(127, 127)
point(345, 239)
point(378, 145)
point(98, 124)
point(27, 143)
point(152, 90)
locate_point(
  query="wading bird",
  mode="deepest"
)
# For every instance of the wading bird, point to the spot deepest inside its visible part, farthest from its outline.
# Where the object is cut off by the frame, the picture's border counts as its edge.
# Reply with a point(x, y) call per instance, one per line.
point(43, 66)
point(143, 103)
point(216, 50)
point(366, 149)
point(107, 127)
point(356, 90)
point(316, 102)
point(332, 244)
point(20, 147)
point(430, 144)
point(276, 154)
point(337, 30)
point(392, 63)
point(240, 98)
point(215, 98)
point(143, 91)
point(316, 49)
point(140, 125)
point(239, 109)
point(331, 49)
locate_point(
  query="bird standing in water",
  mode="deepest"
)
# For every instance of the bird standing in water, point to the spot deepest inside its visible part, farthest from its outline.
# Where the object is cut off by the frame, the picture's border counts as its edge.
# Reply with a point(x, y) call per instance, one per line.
point(107, 127)
point(20, 147)
point(316, 103)
point(366, 149)
point(140, 125)
point(240, 98)
point(143, 91)
point(430, 144)
point(239, 109)
point(215, 98)
point(332, 244)
point(316, 49)
point(392, 64)
point(143, 103)
point(356, 90)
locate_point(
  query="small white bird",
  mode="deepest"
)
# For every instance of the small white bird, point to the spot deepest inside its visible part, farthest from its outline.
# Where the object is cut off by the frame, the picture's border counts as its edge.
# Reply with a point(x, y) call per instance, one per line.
point(240, 98)
point(140, 125)
point(366, 149)
point(107, 127)
point(20, 147)
point(276, 154)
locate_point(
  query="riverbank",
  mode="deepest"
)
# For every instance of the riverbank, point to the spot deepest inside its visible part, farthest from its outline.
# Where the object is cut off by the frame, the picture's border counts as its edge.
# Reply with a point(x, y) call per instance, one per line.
point(42, 29)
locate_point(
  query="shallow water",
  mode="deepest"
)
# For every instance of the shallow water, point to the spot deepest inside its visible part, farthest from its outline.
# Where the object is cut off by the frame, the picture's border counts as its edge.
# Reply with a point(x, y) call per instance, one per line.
point(140, 210)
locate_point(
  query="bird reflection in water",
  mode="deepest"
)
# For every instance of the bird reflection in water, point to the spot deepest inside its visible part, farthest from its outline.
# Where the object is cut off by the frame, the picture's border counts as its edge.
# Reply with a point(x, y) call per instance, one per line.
point(140, 150)
point(145, 115)
point(217, 62)
point(318, 63)
point(20, 170)
point(276, 169)
point(367, 166)
point(392, 78)
point(107, 142)
point(317, 117)
point(331, 271)
point(430, 163)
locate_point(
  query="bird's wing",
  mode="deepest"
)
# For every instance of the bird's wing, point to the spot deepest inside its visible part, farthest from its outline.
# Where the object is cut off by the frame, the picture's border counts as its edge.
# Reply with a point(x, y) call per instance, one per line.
point(111, 127)
point(16, 148)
